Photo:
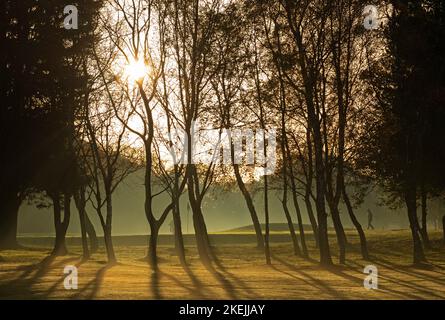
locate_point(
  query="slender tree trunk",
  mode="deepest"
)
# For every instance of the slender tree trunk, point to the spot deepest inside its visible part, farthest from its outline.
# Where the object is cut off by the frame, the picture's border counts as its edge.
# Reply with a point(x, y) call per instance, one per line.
point(153, 246)
point(108, 239)
point(341, 239)
point(424, 227)
point(410, 199)
point(9, 208)
point(179, 239)
point(313, 123)
point(266, 215)
point(107, 230)
point(202, 240)
point(92, 235)
point(322, 217)
point(250, 206)
point(79, 199)
point(310, 213)
point(290, 224)
point(201, 235)
point(61, 226)
point(286, 163)
point(300, 220)
point(357, 225)
point(307, 195)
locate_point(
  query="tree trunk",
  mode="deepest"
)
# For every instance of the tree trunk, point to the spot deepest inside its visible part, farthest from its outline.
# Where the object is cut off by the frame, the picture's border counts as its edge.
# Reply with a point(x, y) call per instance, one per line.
point(291, 226)
point(286, 163)
point(424, 227)
point(107, 230)
point(357, 225)
point(322, 217)
point(250, 206)
point(108, 239)
point(300, 220)
point(266, 216)
point(9, 208)
point(61, 226)
point(410, 199)
point(201, 235)
point(310, 213)
point(287, 156)
point(308, 191)
point(179, 239)
point(313, 123)
point(79, 199)
point(153, 246)
point(91, 232)
point(340, 232)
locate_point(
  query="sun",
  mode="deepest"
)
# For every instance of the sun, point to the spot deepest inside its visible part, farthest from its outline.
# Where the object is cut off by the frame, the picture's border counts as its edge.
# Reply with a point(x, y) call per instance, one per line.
point(136, 70)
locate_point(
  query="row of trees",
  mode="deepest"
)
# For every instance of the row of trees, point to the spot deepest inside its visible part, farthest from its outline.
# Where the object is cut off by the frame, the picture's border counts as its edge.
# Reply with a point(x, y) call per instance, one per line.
point(91, 106)
point(407, 135)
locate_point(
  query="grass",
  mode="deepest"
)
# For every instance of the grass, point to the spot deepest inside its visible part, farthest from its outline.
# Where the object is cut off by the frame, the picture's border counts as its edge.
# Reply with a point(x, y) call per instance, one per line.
point(31, 274)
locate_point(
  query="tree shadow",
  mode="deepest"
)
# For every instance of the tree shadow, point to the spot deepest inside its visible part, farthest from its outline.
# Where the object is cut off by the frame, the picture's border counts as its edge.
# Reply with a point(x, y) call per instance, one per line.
point(195, 291)
point(400, 269)
point(94, 285)
point(224, 272)
point(61, 279)
point(22, 285)
point(155, 284)
point(196, 282)
point(226, 284)
point(320, 284)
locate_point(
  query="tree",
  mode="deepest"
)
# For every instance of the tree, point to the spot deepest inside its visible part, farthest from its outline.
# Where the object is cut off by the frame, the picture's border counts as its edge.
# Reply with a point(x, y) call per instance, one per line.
point(309, 42)
point(39, 81)
point(193, 28)
point(231, 63)
point(408, 152)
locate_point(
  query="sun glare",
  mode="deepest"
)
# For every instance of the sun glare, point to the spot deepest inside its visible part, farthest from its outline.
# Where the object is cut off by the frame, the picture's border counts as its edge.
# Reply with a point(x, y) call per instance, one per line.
point(136, 71)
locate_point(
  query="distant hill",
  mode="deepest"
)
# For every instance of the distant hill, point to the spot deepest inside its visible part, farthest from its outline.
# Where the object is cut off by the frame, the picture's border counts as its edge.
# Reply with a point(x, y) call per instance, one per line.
point(273, 227)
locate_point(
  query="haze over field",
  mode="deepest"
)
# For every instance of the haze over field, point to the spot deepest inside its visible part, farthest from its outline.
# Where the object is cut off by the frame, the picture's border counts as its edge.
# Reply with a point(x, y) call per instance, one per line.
point(224, 211)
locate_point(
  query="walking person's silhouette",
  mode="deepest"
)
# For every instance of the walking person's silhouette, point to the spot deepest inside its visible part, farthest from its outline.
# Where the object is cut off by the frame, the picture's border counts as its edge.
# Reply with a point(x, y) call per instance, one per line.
point(370, 226)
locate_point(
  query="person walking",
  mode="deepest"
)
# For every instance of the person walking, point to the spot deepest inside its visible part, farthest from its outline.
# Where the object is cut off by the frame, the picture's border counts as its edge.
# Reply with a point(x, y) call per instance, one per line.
point(370, 226)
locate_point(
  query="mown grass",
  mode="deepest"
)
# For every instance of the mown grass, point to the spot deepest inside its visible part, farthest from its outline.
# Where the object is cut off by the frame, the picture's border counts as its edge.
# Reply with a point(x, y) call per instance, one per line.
point(30, 274)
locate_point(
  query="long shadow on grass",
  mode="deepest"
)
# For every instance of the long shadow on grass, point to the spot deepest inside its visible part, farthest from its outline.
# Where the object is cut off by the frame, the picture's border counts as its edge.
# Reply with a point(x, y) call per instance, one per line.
point(398, 282)
point(409, 269)
point(22, 285)
point(60, 280)
point(198, 288)
point(227, 285)
point(155, 284)
point(94, 285)
point(401, 269)
point(231, 276)
point(322, 285)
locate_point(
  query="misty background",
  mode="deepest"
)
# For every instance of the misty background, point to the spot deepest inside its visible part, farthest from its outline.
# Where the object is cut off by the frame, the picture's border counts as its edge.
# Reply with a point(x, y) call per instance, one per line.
point(223, 210)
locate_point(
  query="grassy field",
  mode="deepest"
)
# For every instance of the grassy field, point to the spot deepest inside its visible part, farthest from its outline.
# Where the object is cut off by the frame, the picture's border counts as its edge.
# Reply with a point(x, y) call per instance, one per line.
point(29, 273)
